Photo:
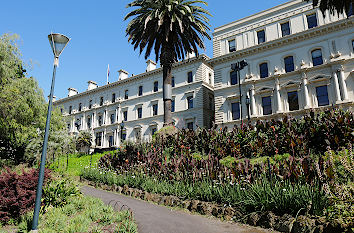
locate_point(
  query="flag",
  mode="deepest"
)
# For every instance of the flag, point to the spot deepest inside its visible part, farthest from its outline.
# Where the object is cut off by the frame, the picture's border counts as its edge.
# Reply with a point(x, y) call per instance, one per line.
point(107, 73)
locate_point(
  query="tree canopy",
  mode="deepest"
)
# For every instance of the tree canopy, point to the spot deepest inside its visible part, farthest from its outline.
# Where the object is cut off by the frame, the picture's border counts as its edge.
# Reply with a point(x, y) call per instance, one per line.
point(177, 25)
point(23, 108)
point(333, 6)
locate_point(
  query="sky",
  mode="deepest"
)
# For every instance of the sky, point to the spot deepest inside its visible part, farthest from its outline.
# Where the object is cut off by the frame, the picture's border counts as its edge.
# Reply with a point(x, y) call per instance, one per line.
point(97, 32)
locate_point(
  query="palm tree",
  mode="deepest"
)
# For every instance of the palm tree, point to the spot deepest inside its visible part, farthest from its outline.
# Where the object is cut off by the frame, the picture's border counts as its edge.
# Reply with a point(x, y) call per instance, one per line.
point(173, 28)
point(334, 6)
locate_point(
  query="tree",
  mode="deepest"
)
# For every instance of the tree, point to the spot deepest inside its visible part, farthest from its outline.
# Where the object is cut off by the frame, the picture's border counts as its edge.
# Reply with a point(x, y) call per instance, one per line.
point(173, 28)
point(83, 141)
point(334, 6)
point(23, 108)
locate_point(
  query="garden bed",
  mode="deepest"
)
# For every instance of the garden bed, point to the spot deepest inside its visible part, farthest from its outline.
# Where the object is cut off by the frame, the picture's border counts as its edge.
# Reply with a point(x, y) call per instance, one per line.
point(265, 219)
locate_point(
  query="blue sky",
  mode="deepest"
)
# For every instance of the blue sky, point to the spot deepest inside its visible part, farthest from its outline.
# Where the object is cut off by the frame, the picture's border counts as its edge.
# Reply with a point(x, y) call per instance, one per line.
point(97, 33)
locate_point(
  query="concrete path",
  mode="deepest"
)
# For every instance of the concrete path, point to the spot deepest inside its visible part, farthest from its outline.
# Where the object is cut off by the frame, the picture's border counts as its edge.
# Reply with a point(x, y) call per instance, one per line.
point(152, 218)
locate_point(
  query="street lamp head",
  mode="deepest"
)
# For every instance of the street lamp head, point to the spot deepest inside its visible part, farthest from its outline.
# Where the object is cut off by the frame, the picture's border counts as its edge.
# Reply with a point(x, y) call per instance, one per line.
point(58, 42)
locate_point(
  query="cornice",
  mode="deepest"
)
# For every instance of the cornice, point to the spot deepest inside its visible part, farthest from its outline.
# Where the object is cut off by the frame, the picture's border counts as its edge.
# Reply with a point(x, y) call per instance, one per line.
point(201, 58)
point(301, 36)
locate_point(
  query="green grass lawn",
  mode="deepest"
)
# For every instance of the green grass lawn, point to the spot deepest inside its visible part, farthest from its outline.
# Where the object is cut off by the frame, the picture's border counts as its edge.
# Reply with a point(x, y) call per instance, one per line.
point(75, 163)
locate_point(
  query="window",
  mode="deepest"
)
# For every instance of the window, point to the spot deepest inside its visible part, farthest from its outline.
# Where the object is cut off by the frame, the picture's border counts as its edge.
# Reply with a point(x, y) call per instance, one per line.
point(140, 112)
point(189, 102)
point(172, 105)
point(90, 104)
point(353, 45)
point(125, 115)
point(110, 140)
point(232, 46)
point(190, 125)
point(263, 70)
point(153, 130)
point(350, 10)
point(89, 123)
point(100, 121)
point(113, 97)
point(267, 105)
point(210, 81)
point(154, 109)
point(285, 29)
point(293, 101)
point(235, 110)
point(99, 139)
point(101, 101)
point(233, 77)
point(156, 86)
point(80, 107)
point(173, 82)
point(322, 95)
point(112, 118)
point(190, 77)
point(289, 64)
point(140, 93)
point(317, 57)
point(311, 21)
point(261, 36)
point(126, 94)
point(70, 109)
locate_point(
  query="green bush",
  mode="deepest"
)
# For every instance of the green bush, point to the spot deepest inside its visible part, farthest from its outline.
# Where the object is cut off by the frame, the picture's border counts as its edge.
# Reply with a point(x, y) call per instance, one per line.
point(82, 214)
point(277, 196)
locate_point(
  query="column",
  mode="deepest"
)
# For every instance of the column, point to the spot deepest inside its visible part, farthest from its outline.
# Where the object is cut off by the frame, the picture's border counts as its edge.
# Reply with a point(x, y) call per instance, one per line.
point(93, 122)
point(342, 84)
point(104, 138)
point(277, 96)
point(253, 102)
point(336, 87)
point(306, 92)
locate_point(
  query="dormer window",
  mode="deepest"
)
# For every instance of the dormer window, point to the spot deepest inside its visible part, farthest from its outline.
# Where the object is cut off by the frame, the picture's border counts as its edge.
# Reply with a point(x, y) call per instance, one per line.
point(232, 46)
point(311, 20)
point(285, 29)
point(261, 36)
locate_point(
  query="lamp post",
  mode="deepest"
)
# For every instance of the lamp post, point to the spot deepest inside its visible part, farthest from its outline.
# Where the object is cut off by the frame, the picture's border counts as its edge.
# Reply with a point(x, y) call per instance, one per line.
point(58, 43)
point(237, 67)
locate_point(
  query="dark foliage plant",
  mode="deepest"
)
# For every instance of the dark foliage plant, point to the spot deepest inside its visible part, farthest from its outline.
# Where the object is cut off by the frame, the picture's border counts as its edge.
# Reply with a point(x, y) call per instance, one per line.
point(17, 192)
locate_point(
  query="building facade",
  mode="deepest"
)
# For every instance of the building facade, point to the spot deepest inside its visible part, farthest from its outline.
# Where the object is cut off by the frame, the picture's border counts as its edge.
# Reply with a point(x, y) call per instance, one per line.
point(136, 101)
point(297, 60)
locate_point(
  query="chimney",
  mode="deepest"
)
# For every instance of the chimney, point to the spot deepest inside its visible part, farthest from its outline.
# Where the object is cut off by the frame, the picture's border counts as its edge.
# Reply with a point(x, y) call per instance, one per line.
point(91, 85)
point(72, 91)
point(151, 65)
point(54, 98)
point(122, 74)
point(190, 55)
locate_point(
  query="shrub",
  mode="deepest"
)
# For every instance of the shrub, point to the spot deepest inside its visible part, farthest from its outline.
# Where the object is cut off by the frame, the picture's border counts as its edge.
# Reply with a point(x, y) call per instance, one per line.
point(17, 192)
point(58, 192)
point(82, 214)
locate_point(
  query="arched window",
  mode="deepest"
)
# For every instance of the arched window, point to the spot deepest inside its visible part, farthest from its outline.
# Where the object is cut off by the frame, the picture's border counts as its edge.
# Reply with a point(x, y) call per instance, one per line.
point(289, 64)
point(317, 57)
point(233, 77)
point(263, 70)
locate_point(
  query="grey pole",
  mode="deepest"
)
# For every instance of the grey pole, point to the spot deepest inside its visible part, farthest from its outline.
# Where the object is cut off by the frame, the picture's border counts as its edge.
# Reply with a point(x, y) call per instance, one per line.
point(44, 153)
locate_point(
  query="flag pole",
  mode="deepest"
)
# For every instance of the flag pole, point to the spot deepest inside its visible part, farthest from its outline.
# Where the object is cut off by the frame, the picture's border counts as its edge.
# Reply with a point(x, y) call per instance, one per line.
point(107, 73)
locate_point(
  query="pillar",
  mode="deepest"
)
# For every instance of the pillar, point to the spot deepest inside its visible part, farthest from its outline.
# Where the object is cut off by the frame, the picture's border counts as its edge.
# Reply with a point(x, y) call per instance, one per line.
point(277, 96)
point(306, 91)
point(342, 84)
point(336, 87)
point(253, 102)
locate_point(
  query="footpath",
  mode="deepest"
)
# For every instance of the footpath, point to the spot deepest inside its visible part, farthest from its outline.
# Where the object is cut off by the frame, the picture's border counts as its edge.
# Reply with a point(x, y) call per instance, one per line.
point(152, 218)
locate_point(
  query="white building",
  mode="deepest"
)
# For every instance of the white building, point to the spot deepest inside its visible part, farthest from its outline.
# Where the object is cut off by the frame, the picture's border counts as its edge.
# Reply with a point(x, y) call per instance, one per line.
point(137, 101)
point(298, 60)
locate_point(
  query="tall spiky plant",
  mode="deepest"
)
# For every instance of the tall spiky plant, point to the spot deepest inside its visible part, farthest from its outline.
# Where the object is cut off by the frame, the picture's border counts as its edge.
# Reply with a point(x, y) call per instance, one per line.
point(172, 28)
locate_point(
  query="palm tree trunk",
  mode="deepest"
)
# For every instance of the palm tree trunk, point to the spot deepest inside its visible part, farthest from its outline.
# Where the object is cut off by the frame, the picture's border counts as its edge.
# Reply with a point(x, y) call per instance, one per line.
point(167, 92)
point(167, 59)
